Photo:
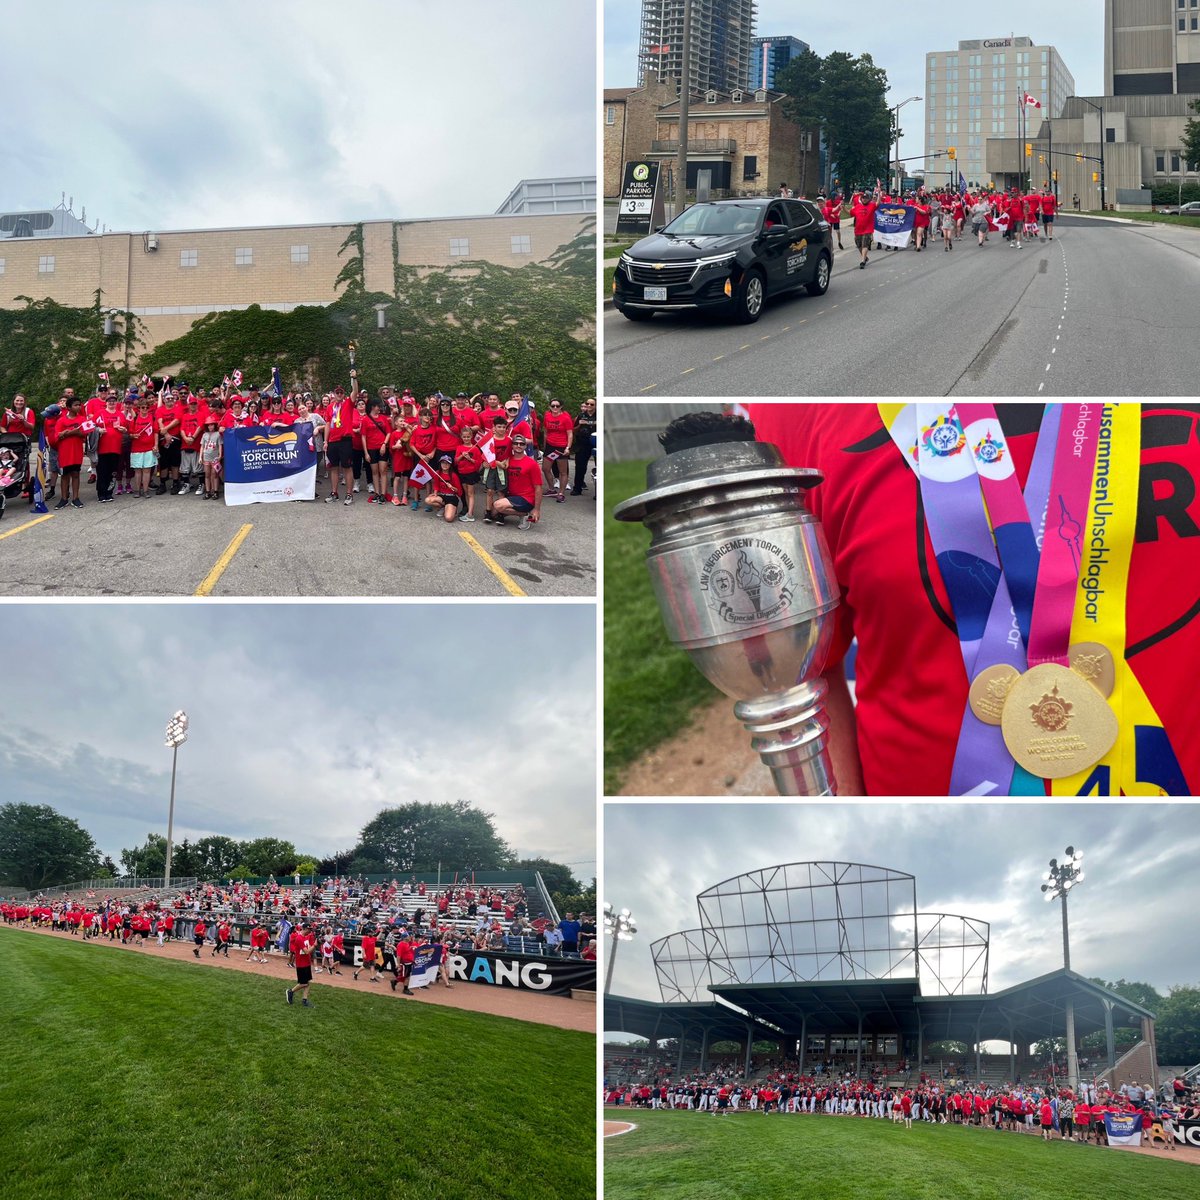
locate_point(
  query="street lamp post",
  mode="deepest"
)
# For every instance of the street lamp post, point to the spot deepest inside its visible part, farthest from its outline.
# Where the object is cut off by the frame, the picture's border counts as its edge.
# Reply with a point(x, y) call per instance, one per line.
point(896, 133)
point(177, 733)
point(1060, 879)
point(1100, 109)
point(620, 926)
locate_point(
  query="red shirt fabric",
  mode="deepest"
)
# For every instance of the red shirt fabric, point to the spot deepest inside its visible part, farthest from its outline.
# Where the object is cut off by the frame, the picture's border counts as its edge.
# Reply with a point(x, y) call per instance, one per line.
point(339, 417)
point(1049, 204)
point(468, 460)
point(70, 445)
point(446, 438)
point(19, 420)
point(863, 213)
point(111, 438)
point(143, 429)
point(910, 687)
point(524, 477)
point(375, 431)
point(559, 426)
point(423, 441)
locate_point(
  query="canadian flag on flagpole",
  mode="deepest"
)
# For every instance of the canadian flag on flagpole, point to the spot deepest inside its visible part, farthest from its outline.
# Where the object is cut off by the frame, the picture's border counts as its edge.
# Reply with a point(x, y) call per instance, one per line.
point(488, 450)
point(1032, 102)
point(420, 474)
point(237, 378)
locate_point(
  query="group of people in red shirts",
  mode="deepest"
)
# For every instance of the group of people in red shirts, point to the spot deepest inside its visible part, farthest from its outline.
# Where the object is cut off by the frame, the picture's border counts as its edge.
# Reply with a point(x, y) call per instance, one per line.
point(456, 456)
point(945, 214)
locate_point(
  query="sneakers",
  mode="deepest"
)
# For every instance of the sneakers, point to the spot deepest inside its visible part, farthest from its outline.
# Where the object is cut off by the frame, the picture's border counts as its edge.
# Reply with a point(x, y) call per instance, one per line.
point(183, 491)
point(414, 504)
point(560, 496)
point(407, 992)
point(106, 499)
point(370, 489)
point(332, 497)
point(356, 487)
point(349, 499)
point(396, 502)
point(524, 523)
point(61, 504)
point(196, 952)
point(288, 993)
point(356, 975)
point(307, 1003)
point(393, 985)
point(468, 518)
point(76, 503)
point(487, 520)
point(499, 521)
point(371, 498)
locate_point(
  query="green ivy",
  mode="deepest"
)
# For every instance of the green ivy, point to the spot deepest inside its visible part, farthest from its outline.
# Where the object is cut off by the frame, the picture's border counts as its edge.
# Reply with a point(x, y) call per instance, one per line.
point(476, 327)
point(49, 346)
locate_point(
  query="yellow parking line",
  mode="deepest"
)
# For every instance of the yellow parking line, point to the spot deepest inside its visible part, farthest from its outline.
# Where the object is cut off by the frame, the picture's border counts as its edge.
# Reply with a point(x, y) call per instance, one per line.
point(506, 580)
point(210, 581)
point(27, 525)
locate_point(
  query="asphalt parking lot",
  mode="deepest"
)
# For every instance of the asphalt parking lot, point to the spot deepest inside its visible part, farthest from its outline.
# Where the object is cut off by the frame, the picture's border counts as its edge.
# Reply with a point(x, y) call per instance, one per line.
point(184, 546)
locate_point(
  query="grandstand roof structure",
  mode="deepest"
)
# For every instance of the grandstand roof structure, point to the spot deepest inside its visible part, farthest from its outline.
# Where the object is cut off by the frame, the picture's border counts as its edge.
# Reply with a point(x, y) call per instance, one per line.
point(842, 949)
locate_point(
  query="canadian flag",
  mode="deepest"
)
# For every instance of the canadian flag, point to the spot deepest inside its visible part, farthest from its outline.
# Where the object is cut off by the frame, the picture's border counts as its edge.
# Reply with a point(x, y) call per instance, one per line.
point(1032, 102)
point(420, 474)
point(488, 450)
point(237, 379)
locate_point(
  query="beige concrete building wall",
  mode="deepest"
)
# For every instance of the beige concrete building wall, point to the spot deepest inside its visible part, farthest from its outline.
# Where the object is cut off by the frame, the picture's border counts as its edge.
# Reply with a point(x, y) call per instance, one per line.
point(614, 146)
point(634, 129)
point(194, 272)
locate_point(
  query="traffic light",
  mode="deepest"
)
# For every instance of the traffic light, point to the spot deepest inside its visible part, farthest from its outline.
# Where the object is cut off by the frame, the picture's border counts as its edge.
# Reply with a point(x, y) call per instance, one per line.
point(952, 153)
point(1054, 176)
point(1079, 158)
point(1095, 176)
point(1041, 158)
point(1028, 149)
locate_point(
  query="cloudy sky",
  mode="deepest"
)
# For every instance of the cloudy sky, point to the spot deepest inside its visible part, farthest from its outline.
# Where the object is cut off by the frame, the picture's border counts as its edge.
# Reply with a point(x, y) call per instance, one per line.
point(898, 40)
point(977, 860)
point(283, 746)
point(158, 115)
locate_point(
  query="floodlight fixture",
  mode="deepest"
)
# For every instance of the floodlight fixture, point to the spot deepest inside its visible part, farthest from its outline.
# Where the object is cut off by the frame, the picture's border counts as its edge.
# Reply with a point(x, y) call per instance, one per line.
point(620, 927)
point(177, 734)
point(1060, 879)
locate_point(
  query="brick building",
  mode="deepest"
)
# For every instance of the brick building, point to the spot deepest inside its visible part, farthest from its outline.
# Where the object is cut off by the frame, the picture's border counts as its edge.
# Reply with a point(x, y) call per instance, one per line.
point(743, 138)
point(170, 278)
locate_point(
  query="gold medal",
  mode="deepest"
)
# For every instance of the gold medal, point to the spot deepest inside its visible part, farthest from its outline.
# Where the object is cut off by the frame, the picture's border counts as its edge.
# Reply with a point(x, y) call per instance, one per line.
point(1055, 723)
point(989, 690)
point(1095, 663)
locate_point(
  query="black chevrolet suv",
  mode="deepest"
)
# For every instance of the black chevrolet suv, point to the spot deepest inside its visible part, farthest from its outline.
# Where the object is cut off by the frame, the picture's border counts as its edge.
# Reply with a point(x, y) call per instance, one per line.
point(729, 255)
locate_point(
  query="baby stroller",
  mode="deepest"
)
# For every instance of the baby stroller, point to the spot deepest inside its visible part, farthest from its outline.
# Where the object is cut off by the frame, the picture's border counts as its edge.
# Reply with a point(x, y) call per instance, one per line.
point(14, 467)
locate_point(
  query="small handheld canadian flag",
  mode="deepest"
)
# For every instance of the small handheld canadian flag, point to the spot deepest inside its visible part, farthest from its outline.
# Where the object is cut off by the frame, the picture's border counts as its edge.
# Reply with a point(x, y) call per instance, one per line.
point(237, 378)
point(1032, 101)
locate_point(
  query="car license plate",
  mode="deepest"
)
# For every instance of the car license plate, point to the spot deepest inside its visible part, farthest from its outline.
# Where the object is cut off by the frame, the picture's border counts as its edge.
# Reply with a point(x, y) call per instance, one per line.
point(654, 293)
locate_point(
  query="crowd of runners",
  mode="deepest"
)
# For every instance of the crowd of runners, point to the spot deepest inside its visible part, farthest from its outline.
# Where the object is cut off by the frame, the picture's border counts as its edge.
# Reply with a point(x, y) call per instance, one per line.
point(466, 457)
point(1048, 1110)
point(945, 215)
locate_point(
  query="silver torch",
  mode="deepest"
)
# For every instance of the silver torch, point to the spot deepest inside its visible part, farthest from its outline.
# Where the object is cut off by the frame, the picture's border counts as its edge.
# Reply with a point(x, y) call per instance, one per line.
point(745, 584)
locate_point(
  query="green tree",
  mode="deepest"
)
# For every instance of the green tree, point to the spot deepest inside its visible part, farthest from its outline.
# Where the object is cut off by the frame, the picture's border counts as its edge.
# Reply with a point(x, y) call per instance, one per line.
point(216, 857)
point(557, 876)
point(802, 80)
point(1191, 137)
point(150, 858)
point(1177, 1030)
point(306, 867)
point(39, 847)
point(1124, 1035)
point(852, 109)
point(576, 902)
point(107, 869)
point(417, 836)
point(269, 856)
point(184, 860)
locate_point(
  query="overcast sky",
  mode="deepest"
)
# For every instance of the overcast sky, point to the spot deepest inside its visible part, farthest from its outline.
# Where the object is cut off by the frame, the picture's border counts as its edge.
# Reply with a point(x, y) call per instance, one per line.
point(284, 744)
point(898, 39)
point(158, 115)
point(976, 860)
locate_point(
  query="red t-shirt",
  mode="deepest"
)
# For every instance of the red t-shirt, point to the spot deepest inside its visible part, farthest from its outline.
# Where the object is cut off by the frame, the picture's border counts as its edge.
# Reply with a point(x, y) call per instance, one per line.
point(167, 418)
point(832, 212)
point(502, 449)
point(423, 441)
point(911, 688)
point(200, 929)
point(19, 420)
point(558, 429)
point(465, 416)
point(864, 216)
point(339, 417)
point(70, 443)
point(111, 438)
point(524, 476)
point(301, 946)
point(368, 949)
point(259, 937)
point(190, 424)
point(143, 428)
point(375, 431)
point(468, 460)
point(446, 439)
point(1049, 203)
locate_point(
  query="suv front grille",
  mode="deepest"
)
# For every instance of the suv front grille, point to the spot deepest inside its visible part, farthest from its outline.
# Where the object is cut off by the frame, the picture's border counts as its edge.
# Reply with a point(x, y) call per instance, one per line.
point(644, 273)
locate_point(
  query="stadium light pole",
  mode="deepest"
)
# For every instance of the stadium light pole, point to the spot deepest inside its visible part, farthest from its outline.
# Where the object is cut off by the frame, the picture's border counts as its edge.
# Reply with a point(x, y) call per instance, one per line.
point(896, 130)
point(1060, 879)
point(177, 733)
point(620, 926)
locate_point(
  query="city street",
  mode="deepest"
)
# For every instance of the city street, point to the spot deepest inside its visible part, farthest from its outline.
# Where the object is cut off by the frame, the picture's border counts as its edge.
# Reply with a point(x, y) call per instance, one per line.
point(179, 546)
point(1106, 309)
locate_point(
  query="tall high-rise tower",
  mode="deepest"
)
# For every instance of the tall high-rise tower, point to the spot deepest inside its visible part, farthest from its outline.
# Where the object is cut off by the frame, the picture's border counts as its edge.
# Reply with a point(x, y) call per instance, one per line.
point(722, 33)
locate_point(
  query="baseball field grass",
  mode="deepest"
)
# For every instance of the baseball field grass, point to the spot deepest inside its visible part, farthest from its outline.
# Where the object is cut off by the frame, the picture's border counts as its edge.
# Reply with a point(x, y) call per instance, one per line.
point(650, 687)
point(143, 1078)
point(695, 1156)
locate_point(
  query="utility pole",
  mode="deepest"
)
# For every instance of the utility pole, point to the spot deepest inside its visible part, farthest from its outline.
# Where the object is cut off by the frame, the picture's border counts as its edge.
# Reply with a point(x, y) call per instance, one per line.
point(685, 89)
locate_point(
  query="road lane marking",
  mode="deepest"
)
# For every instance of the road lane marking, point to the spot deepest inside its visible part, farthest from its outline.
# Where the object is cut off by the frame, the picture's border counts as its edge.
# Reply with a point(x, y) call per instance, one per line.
point(210, 580)
point(649, 387)
point(745, 347)
point(27, 525)
point(688, 371)
point(506, 580)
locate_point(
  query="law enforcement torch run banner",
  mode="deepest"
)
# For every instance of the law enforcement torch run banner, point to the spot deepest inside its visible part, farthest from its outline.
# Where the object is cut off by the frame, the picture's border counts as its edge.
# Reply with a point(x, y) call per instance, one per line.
point(894, 224)
point(270, 466)
point(425, 966)
point(1124, 1130)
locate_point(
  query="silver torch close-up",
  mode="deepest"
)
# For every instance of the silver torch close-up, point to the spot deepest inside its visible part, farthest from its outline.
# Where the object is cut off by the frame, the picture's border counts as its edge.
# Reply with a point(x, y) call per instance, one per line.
point(745, 584)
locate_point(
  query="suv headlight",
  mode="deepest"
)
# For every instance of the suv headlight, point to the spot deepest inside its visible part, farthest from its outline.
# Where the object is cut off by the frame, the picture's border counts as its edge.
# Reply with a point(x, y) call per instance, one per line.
point(718, 260)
